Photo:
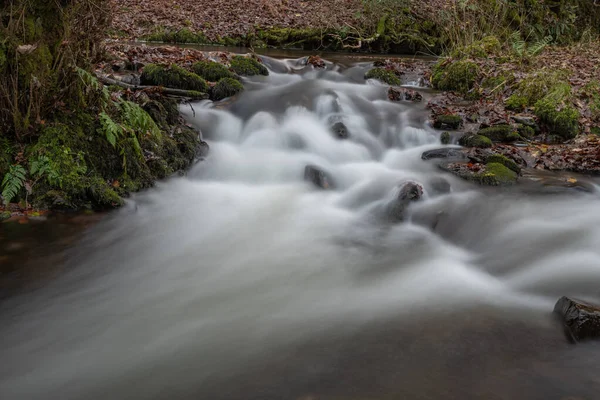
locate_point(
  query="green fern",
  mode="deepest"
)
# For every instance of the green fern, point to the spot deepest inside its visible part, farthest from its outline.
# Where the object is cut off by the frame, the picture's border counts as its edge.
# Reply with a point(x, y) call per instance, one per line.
point(109, 128)
point(92, 83)
point(537, 47)
point(517, 43)
point(13, 182)
point(138, 119)
point(41, 167)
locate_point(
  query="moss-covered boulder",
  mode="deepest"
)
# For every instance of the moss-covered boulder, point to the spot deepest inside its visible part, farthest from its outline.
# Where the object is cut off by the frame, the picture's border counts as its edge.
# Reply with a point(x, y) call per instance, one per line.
point(470, 140)
point(496, 174)
point(458, 76)
point(445, 138)
point(501, 159)
point(557, 117)
point(248, 66)
point(212, 71)
point(226, 87)
point(174, 77)
point(447, 121)
point(500, 133)
point(383, 75)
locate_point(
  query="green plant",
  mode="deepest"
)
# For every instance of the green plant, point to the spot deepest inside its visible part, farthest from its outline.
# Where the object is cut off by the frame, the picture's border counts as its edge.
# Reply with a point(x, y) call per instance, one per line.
point(226, 87)
point(212, 71)
point(42, 167)
point(248, 66)
point(172, 76)
point(383, 75)
point(13, 182)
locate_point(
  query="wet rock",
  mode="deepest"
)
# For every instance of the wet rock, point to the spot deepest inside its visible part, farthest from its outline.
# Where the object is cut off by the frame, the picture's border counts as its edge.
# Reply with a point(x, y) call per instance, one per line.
point(500, 133)
point(445, 153)
point(525, 120)
point(445, 138)
point(439, 185)
point(407, 193)
point(318, 177)
point(340, 130)
point(131, 79)
point(447, 121)
point(492, 174)
point(203, 149)
point(399, 94)
point(119, 66)
point(581, 320)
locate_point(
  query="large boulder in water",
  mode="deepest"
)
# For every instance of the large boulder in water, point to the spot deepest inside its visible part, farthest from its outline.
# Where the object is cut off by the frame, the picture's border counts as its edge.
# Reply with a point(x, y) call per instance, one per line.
point(407, 193)
point(581, 320)
point(318, 177)
point(445, 153)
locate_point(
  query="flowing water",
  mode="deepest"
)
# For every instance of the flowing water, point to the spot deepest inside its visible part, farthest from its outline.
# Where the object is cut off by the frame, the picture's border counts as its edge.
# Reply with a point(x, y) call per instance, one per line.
point(242, 281)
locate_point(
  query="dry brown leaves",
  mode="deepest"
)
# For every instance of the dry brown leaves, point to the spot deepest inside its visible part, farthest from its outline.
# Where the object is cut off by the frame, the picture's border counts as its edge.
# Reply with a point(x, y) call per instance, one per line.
point(220, 18)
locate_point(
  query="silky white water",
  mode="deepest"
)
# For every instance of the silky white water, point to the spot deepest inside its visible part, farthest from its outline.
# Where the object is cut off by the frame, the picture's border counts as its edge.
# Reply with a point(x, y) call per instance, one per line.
point(241, 280)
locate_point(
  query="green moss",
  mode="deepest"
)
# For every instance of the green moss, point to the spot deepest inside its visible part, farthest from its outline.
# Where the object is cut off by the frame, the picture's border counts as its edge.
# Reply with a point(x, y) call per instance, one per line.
point(557, 117)
point(595, 130)
point(500, 133)
point(496, 174)
point(526, 131)
point(180, 36)
point(384, 75)
point(516, 102)
point(448, 121)
point(226, 87)
point(480, 49)
point(458, 76)
point(534, 87)
point(303, 38)
point(248, 66)
point(470, 140)
point(445, 138)
point(507, 162)
point(212, 71)
point(173, 77)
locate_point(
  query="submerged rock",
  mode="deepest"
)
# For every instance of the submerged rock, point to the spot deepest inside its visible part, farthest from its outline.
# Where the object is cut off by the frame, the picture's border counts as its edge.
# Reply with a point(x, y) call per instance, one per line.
point(447, 121)
point(407, 193)
point(445, 153)
point(318, 177)
point(491, 174)
point(399, 94)
point(581, 320)
point(340, 130)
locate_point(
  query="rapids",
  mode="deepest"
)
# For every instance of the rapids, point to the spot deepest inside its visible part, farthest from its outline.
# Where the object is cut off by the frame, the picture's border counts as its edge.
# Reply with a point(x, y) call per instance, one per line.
point(241, 281)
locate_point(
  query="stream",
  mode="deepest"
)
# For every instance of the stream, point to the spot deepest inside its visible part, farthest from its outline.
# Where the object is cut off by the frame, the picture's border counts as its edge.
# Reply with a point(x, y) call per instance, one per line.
point(242, 281)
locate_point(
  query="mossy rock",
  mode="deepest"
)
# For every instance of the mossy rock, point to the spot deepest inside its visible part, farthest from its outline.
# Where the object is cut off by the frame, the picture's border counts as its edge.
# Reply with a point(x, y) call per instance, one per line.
point(516, 102)
point(174, 77)
point(560, 119)
point(212, 71)
point(507, 162)
point(458, 76)
point(226, 87)
point(496, 174)
point(480, 49)
point(526, 131)
point(180, 36)
point(383, 75)
point(448, 121)
point(445, 138)
point(470, 140)
point(4, 215)
point(247, 66)
point(500, 133)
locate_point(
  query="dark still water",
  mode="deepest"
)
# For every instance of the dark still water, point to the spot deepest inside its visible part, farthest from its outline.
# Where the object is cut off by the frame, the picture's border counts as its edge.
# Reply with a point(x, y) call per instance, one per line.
point(242, 281)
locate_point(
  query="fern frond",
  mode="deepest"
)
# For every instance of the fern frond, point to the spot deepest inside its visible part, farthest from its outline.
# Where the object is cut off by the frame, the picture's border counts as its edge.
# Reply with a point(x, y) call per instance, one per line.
point(537, 47)
point(13, 182)
point(109, 128)
point(138, 119)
